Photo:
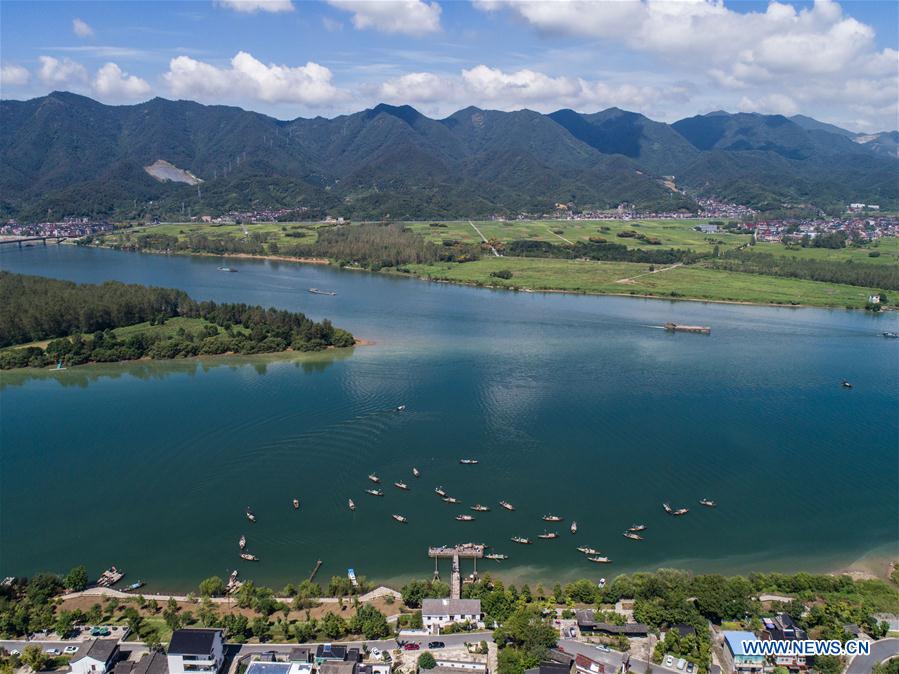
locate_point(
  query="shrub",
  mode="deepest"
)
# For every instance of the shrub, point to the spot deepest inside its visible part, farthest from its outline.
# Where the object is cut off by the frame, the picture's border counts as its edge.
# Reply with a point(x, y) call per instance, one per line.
point(502, 273)
point(426, 661)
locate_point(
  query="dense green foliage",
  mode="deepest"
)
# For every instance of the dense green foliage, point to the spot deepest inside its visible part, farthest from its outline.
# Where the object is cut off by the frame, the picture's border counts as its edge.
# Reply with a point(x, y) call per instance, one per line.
point(75, 156)
point(849, 272)
point(414, 591)
point(598, 250)
point(39, 308)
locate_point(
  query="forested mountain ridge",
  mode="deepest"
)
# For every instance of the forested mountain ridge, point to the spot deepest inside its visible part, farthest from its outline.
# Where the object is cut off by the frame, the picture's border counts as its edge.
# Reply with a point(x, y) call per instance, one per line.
point(65, 154)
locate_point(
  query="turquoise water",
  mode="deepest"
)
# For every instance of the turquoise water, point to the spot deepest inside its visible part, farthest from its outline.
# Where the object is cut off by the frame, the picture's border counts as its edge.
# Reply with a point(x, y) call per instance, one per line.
point(575, 405)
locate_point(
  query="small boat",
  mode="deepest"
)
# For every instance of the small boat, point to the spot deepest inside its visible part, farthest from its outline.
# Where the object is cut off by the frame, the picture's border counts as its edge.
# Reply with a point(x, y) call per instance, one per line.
point(633, 536)
point(588, 551)
point(228, 269)
point(709, 503)
point(242, 542)
point(507, 505)
point(681, 511)
point(521, 539)
point(451, 499)
point(316, 291)
point(110, 577)
point(891, 335)
point(602, 582)
point(250, 515)
point(400, 408)
point(600, 560)
point(440, 491)
point(496, 556)
point(401, 485)
point(846, 384)
point(548, 536)
point(700, 329)
point(477, 507)
point(400, 518)
point(351, 504)
point(465, 518)
point(415, 472)
point(637, 527)
point(233, 584)
point(134, 586)
point(374, 478)
point(351, 574)
point(296, 504)
point(468, 462)
point(247, 556)
point(374, 492)
point(552, 518)
point(573, 527)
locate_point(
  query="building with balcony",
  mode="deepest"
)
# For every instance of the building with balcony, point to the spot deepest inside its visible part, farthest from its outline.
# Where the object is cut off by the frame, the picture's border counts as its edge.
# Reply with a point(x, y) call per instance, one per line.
point(196, 651)
point(740, 661)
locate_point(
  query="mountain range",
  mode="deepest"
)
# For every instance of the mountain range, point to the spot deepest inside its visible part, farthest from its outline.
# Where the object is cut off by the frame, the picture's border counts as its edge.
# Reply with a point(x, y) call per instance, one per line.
point(65, 154)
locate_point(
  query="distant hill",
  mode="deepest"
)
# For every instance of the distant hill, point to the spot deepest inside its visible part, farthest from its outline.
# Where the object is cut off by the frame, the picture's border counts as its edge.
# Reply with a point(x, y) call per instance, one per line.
point(811, 124)
point(885, 143)
point(65, 154)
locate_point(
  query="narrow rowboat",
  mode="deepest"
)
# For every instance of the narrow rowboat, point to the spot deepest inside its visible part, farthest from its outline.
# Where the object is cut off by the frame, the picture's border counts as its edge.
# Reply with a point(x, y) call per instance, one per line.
point(400, 518)
point(351, 504)
point(247, 556)
point(507, 505)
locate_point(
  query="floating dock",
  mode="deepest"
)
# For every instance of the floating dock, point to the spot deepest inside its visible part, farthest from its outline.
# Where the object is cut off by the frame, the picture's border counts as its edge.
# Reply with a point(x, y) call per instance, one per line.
point(473, 551)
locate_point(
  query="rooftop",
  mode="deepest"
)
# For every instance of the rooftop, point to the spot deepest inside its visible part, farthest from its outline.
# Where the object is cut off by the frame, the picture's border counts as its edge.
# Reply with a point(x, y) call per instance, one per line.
point(99, 649)
point(257, 667)
point(193, 641)
point(450, 606)
point(735, 641)
point(154, 662)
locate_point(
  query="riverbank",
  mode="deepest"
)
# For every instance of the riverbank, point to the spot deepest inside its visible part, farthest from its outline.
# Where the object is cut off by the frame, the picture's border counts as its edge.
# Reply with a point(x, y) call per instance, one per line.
point(616, 279)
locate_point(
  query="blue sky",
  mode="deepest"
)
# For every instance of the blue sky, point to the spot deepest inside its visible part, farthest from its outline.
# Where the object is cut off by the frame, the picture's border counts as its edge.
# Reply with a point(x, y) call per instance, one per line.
point(666, 58)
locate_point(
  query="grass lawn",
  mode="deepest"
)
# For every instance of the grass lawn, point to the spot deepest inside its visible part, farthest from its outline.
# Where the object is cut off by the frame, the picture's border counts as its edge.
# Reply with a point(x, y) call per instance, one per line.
point(605, 278)
point(671, 233)
point(168, 329)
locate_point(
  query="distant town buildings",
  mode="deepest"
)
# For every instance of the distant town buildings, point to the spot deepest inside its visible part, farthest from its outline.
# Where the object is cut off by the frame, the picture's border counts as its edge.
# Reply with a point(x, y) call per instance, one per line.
point(70, 228)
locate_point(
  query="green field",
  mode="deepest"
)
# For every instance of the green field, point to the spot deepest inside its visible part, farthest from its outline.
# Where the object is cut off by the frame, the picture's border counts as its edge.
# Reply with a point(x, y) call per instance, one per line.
point(887, 247)
point(693, 282)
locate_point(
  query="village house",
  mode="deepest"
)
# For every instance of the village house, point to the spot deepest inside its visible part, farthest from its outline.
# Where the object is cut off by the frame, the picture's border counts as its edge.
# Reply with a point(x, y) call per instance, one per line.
point(782, 628)
point(741, 662)
point(587, 624)
point(97, 658)
point(196, 650)
point(437, 613)
point(585, 665)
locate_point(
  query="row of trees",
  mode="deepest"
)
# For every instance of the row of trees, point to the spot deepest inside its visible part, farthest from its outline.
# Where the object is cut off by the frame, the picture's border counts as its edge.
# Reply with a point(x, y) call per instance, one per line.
point(848, 272)
point(598, 249)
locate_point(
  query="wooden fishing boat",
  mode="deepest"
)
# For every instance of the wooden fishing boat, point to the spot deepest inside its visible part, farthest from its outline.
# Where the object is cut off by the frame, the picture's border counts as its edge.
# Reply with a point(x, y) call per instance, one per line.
point(709, 503)
point(633, 536)
point(468, 462)
point(496, 556)
point(548, 536)
point(296, 504)
point(637, 527)
point(374, 478)
point(250, 515)
point(588, 551)
point(415, 472)
point(134, 586)
point(401, 485)
point(477, 507)
point(521, 540)
point(451, 499)
point(600, 560)
point(440, 491)
point(400, 519)
point(374, 492)
point(573, 528)
point(465, 518)
point(507, 505)
point(552, 518)
point(247, 556)
point(351, 504)
point(242, 542)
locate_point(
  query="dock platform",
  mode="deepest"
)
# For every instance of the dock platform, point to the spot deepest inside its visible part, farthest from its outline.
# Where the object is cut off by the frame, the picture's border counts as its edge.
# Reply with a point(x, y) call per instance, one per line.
point(467, 550)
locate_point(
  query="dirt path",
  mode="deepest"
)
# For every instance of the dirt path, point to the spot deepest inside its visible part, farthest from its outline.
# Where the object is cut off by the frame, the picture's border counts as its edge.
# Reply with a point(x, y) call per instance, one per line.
point(559, 236)
point(654, 271)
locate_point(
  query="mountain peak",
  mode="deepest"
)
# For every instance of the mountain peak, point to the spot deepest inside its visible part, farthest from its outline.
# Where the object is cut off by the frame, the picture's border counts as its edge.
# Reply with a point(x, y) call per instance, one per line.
point(404, 112)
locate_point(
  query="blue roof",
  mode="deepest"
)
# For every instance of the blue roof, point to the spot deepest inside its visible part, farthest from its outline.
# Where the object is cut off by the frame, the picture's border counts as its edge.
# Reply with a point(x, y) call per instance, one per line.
point(735, 641)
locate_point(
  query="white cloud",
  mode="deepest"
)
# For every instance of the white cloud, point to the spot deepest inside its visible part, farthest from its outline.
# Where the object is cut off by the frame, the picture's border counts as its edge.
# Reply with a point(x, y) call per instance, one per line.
point(772, 104)
point(13, 75)
point(763, 53)
point(331, 25)
point(253, 6)
point(410, 17)
point(495, 88)
point(54, 71)
point(81, 28)
point(112, 82)
point(249, 78)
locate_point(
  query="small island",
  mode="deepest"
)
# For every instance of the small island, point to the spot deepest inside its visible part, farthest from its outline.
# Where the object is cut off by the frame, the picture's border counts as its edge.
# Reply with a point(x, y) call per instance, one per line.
point(49, 323)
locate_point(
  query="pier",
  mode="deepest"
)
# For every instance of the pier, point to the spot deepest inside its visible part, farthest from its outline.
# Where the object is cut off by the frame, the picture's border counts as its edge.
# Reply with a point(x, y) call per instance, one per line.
point(471, 551)
point(19, 240)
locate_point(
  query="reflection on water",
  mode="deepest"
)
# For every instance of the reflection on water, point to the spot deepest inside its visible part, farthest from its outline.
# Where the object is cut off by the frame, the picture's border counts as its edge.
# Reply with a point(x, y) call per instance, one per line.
point(144, 370)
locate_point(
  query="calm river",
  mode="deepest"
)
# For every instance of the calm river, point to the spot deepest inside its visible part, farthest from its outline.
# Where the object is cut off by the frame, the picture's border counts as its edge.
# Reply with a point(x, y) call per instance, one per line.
point(574, 405)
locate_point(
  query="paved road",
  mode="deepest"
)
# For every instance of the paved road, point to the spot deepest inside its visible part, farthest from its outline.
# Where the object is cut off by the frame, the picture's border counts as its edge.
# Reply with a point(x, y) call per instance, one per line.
point(880, 651)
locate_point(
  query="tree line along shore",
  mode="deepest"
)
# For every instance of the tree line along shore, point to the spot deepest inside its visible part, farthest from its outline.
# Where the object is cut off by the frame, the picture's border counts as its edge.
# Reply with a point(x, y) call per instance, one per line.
point(522, 618)
point(656, 258)
point(46, 322)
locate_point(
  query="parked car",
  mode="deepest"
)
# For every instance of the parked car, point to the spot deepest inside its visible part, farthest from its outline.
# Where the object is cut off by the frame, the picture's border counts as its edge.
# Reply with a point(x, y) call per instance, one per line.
point(669, 661)
point(411, 646)
point(681, 663)
point(70, 650)
point(15, 651)
point(690, 668)
point(375, 652)
point(572, 632)
point(436, 644)
point(52, 651)
point(604, 649)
